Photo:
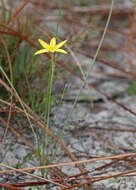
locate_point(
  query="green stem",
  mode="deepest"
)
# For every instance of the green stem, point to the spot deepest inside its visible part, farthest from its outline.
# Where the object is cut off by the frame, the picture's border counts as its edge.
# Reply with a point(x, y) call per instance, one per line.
point(48, 102)
point(50, 88)
point(58, 18)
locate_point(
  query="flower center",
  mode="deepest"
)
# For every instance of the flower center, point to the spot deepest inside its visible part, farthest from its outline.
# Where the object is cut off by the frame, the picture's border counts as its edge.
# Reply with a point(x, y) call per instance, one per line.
point(52, 48)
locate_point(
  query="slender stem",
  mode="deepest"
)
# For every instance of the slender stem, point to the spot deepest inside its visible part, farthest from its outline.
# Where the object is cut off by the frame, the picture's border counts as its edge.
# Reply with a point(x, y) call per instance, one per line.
point(48, 100)
point(58, 18)
point(50, 87)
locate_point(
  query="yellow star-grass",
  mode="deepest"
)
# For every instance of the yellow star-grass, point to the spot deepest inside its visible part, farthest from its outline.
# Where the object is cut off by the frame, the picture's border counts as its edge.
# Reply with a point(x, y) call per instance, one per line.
point(52, 47)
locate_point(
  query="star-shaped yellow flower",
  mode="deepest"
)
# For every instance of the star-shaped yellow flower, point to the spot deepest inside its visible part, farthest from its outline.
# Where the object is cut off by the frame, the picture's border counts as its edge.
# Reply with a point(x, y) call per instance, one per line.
point(52, 47)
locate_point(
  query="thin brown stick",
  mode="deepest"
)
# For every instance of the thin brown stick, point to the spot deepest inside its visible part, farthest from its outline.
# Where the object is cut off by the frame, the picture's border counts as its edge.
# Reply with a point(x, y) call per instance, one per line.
point(36, 183)
point(10, 186)
point(120, 156)
point(18, 11)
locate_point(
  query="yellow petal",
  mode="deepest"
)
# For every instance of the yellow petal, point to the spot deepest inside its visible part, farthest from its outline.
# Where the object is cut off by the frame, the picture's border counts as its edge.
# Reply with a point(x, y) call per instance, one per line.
point(61, 44)
point(41, 51)
point(44, 44)
point(53, 42)
point(61, 51)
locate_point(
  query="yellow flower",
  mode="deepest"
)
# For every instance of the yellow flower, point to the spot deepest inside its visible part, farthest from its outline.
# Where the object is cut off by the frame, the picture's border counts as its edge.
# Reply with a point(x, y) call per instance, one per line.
point(52, 47)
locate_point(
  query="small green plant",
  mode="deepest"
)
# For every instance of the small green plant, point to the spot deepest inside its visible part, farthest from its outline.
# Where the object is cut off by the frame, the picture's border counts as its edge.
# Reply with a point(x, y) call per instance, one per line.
point(52, 48)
